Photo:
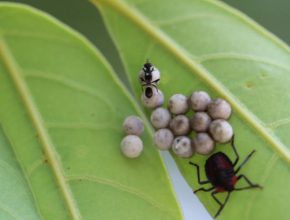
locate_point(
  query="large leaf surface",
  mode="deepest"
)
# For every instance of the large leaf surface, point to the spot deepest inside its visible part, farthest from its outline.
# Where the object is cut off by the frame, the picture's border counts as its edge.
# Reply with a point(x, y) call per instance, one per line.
point(205, 45)
point(61, 113)
point(16, 201)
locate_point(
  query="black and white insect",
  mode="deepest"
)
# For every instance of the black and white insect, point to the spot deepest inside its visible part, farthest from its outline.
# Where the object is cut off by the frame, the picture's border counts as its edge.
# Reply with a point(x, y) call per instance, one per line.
point(221, 173)
point(149, 76)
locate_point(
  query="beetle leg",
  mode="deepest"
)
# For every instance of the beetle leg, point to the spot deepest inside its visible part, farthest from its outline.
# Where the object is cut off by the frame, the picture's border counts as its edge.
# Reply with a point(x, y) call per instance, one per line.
point(198, 174)
point(245, 161)
point(222, 205)
point(204, 190)
point(251, 185)
point(235, 150)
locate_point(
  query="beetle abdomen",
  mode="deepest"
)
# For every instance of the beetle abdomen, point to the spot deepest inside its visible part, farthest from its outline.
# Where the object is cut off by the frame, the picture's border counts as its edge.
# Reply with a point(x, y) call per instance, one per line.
point(220, 172)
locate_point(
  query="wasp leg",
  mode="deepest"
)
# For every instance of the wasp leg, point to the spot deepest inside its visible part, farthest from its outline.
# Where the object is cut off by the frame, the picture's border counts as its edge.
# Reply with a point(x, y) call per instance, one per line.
point(222, 205)
point(251, 185)
point(198, 174)
point(155, 86)
point(155, 81)
point(245, 161)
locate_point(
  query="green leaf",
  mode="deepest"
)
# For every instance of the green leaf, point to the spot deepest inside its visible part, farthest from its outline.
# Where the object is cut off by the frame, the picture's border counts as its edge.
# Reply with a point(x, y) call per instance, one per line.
point(16, 201)
point(62, 109)
point(206, 45)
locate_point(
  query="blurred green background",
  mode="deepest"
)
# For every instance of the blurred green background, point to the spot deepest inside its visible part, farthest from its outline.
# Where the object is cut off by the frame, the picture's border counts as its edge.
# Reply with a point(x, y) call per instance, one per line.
point(84, 17)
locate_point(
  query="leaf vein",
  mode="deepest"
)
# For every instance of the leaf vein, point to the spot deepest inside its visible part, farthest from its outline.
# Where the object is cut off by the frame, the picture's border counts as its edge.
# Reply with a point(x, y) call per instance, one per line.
point(10, 212)
point(278, 123)
point(35, 165)
point(237, 56)
point(73, 85)
point(271, 163)
point(22, 34)
point(10, 169)
point(245, 19)
point(120, 187)
point(20, 85)
point(168, 43)
point(184, 18)
point(89, 126)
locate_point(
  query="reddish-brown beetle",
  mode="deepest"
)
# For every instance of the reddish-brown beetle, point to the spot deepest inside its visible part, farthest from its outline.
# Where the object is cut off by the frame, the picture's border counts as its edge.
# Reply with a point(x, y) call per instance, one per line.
point(221, 173)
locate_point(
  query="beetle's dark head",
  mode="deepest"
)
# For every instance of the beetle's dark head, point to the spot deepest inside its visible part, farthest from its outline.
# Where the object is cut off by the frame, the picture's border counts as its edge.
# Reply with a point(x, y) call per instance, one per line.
point(148, 92)
point(148, 69)
point(229, 187)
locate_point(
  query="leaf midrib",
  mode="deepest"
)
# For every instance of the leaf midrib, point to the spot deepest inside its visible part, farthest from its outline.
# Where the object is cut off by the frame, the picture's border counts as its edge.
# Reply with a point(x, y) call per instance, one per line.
point(21, 87)
point(142, 22)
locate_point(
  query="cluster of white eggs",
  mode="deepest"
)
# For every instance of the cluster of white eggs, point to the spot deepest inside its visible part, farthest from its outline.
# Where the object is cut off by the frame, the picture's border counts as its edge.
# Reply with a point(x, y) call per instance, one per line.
point(186, 134)
point(175, 129)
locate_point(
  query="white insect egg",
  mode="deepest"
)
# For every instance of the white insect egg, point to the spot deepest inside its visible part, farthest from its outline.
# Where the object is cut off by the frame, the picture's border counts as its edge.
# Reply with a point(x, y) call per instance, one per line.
point(178, 104)
point(160, 118)
point(199, 101)
point(182, 147)
point(152, 97)
point(221, 130)
point(133, 125)
point(163, 139)
point(200, 121)
point(219, 109)
point(131, 146)
point(203, 144)
point(180, 125)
